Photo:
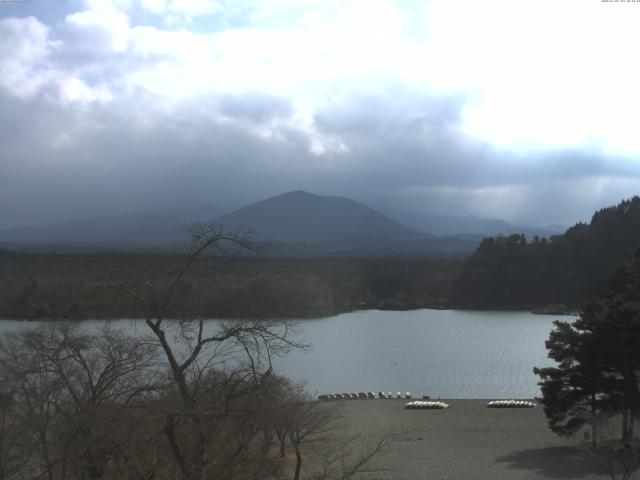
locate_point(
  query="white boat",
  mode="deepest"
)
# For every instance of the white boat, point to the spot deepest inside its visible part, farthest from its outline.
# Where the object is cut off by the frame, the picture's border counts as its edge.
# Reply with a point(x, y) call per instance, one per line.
point(426, 405)
point(510, 404)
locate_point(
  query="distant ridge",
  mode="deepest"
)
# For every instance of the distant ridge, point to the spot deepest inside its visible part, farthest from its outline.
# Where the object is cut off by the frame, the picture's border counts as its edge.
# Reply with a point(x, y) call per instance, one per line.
point(296, 223)
point(119, 231)
point(473, 225)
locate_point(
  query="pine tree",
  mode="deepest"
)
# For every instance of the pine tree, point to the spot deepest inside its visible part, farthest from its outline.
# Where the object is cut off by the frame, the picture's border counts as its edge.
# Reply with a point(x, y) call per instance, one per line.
point(598, 356)
point(572, 392)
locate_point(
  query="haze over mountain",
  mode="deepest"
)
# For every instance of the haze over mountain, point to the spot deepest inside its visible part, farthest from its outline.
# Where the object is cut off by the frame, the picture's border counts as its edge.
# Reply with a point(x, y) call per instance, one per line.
point(302, 223)
point(136, 230)
point(473, 225)
point(304, 217)
point(294, 223)
point(122, 231)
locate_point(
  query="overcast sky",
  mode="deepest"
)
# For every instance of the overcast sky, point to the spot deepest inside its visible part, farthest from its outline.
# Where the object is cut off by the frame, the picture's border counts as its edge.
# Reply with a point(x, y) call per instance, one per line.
point(523, 110)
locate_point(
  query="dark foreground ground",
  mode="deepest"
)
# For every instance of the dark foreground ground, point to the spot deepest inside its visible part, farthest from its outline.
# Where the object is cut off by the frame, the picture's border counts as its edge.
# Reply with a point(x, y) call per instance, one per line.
point(468, 441)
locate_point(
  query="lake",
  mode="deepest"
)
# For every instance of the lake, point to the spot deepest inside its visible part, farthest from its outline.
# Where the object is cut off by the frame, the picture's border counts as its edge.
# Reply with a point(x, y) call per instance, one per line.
point(442, 353)
point(445, 353)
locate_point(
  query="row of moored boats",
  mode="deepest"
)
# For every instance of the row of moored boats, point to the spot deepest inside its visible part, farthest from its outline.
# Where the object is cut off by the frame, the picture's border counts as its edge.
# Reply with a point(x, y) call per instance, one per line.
point(365, 396)
point(511, 404)
point(492, 404)
point(425, 403)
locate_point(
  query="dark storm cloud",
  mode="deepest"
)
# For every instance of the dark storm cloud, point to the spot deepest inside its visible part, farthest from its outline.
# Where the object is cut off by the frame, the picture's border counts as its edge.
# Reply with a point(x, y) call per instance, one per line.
point(255, 108)
point(81, 135)
point(79, 164)
point(412, 138)
point(405, 152)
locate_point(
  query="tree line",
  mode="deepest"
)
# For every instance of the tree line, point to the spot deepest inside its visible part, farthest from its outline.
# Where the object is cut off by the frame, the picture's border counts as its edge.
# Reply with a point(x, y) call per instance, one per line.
point(33, 286)
point(512, 272)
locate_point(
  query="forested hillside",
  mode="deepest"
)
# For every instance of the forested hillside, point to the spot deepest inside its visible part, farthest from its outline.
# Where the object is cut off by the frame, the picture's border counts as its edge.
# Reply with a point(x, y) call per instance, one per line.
point(510, 272)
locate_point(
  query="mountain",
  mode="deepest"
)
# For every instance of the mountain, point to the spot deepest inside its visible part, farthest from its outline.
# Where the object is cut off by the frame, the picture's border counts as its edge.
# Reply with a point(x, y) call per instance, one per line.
point(510, 272)
point(473, 225)
point(301, 223)
point(304, 217)
point(294, 224)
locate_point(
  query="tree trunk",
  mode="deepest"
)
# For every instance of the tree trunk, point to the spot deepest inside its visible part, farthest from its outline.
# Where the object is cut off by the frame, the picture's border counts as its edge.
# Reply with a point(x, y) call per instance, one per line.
point(594, 424)
point(283, 449)
point(625, 426)
point(268, 440)
point(282, 439)
point(298, 463)
point(203, 454)
point(178, 455)
point(47, 457)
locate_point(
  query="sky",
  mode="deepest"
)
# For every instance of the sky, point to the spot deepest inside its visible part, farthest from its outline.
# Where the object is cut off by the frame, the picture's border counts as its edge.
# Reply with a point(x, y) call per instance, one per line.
point(519, 110)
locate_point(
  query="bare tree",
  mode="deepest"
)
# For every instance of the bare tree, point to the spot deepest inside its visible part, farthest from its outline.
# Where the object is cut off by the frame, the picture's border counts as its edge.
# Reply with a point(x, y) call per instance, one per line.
point(36, 392)
point(215, 369)
point(620, 458)
point(315, 432)
point(310, 422)
point(343, 457)
point(10, 437)
point(66, 387)
point(281, 419)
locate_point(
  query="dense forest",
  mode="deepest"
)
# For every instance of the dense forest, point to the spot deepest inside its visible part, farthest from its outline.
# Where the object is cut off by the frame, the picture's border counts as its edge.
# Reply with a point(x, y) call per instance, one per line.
point(81, 286)
point(511, 272)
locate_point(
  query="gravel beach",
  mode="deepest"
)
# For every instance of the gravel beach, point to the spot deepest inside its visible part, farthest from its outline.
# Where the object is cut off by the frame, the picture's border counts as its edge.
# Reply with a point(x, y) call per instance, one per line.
point(467, 441)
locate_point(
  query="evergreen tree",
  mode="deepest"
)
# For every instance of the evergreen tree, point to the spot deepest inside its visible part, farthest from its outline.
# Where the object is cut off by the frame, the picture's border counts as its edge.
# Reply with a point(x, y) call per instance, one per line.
point(598, 358)
point(620, 336)
point(573, 392)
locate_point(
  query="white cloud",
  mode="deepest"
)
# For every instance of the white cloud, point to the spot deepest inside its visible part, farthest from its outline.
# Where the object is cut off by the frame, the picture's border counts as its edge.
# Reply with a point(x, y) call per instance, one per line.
point(24, 46)
point(111, 27)
point(30, 56)
point(73, 90)
point(538, 75)
point(155, 6)
point(193, 8)
point(108, 5)
point(546, 74)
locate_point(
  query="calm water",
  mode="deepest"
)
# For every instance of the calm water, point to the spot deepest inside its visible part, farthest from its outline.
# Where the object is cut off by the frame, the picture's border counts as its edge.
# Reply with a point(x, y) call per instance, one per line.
point(445, 353)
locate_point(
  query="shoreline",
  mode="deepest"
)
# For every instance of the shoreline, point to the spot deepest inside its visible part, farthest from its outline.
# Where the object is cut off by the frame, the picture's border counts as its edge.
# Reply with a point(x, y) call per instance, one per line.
point(313, 316)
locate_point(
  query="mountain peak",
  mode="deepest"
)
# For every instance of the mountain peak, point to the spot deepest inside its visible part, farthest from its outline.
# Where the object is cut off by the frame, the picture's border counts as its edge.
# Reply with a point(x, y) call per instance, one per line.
point(304, 195)
point(300, 216)
point(297, 193)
